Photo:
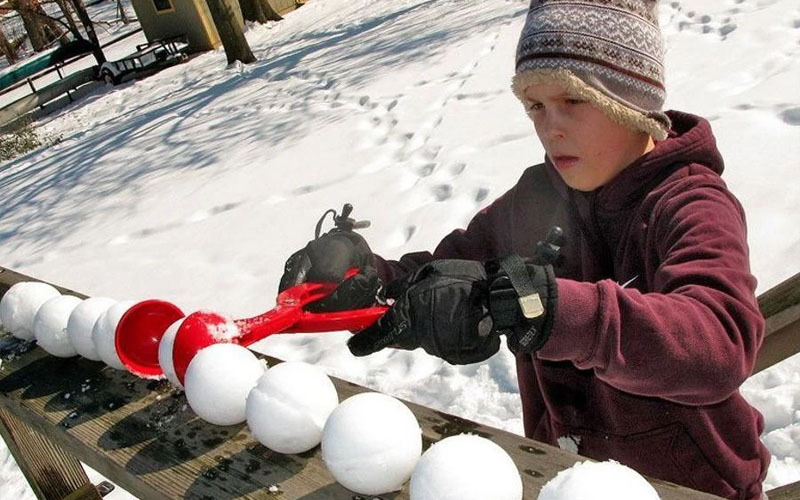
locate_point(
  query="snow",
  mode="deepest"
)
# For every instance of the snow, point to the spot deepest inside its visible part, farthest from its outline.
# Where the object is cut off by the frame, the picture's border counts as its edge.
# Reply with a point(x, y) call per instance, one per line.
point(598, 481)
point(288, 408)
point(371, 443)
point(194, 185)
point(218, 380)
point(465, 467)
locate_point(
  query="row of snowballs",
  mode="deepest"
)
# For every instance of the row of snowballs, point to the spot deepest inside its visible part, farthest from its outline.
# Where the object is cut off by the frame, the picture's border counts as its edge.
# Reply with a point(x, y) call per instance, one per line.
point(371, 442)
point(63, 325)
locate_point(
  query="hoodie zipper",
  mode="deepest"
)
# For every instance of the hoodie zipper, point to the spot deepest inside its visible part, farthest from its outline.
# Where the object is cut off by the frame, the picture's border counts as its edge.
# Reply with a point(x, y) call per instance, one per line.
point(591, 231)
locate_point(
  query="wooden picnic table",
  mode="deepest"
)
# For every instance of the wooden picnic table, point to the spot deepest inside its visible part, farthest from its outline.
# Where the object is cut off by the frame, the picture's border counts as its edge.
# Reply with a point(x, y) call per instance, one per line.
point(142, 435)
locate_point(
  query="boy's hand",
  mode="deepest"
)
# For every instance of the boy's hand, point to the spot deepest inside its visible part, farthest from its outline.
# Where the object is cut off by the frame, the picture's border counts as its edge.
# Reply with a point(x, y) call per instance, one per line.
point(442, 307)
point(454, 311)
point(326, 260)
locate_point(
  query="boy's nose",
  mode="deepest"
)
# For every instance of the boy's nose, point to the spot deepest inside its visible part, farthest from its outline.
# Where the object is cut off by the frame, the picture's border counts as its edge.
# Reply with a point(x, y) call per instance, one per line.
point(554, 126)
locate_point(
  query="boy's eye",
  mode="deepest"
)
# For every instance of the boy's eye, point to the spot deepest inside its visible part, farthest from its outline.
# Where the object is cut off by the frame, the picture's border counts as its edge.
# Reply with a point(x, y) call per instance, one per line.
point(535, 106)
point(574, 101)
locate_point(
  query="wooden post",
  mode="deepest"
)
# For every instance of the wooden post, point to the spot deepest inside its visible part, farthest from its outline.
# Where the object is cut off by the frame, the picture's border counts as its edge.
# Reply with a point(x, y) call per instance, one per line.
point(787, 492)
point(780, 305)
point(52, 473)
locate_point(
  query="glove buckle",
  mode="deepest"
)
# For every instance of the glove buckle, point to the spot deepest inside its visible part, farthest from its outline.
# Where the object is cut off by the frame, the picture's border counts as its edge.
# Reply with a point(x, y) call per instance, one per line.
point(531, 306)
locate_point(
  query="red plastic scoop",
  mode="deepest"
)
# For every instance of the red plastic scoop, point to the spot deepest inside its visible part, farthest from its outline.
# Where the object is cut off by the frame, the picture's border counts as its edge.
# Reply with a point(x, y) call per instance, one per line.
point(141, 328)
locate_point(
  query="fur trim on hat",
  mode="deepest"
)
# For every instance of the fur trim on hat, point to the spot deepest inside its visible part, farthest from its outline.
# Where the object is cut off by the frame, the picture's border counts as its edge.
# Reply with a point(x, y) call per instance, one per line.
point(614, 110)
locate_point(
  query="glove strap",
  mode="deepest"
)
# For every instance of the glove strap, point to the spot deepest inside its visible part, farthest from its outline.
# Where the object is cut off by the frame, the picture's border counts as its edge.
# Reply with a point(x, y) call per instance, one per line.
point(513, 294)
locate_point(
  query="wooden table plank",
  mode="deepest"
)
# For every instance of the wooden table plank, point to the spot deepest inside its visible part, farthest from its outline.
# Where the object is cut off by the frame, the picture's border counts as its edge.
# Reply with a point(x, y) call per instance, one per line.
point(143, 436)
point(52, 473)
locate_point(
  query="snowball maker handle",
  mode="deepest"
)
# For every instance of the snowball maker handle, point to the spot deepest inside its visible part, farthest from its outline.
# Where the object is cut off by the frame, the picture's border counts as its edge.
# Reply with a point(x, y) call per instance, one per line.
point(289, 316)
point(201, 329)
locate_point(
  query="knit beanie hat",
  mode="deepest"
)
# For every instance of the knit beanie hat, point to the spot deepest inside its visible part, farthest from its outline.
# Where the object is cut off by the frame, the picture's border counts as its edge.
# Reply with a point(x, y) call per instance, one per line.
point(608, 52)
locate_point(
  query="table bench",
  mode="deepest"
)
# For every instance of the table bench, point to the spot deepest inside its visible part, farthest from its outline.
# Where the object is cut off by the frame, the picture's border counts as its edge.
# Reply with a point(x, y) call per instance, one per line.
point(142, 435)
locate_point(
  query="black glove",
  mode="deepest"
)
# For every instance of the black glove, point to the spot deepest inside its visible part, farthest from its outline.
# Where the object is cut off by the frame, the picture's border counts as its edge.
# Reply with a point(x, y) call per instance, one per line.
point(442, 308)
point(455, 311)
point(523, 296)
point(326, 259)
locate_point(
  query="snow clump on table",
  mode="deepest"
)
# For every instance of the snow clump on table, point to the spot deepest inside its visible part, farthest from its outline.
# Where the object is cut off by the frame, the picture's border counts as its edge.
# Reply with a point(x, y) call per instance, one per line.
point(81, 322)
point(165, 353)
point(50, 325)
point(20, 304)
point(465, 467)
point(598, 481)
point(371, 443)
point(218, 380)
point(287, 410)
point(104, 333)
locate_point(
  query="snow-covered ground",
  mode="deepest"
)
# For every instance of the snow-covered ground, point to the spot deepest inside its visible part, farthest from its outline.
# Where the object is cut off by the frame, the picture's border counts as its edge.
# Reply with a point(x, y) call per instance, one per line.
point(195, 184)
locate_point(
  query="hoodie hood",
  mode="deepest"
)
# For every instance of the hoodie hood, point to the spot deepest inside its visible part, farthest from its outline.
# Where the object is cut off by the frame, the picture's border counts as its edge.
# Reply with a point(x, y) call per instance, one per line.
point(690, 141)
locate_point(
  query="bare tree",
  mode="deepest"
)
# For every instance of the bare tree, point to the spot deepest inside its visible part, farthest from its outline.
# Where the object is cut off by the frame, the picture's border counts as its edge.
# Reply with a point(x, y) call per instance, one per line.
point(73, 28)
point(259, 11)
point(7, 48)
point(41, 28)
point(230, 32)
point(83, 16)
point(123, 16)
point(271, 14)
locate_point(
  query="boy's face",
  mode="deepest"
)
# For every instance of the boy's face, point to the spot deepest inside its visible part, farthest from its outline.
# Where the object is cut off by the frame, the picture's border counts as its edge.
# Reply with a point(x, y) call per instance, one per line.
point(587, 148)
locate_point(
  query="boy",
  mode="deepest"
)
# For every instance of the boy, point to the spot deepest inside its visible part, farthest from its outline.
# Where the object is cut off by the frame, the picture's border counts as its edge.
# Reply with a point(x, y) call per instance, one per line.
point(632, 344)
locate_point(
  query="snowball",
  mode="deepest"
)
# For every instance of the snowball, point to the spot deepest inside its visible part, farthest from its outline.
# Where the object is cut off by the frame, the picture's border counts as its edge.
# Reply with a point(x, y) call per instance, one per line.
point(371, 443)
point(465, 467)
point(218, 381)
point(19, 305)
point(104, 333)
point(50, 325)
point(598, 481)
point(288, 408)
point(81, 322)
point(165, 352)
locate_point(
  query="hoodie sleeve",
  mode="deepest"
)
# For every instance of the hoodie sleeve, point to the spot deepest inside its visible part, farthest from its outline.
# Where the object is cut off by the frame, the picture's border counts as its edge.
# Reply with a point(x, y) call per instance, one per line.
point(481, 240)
point(693, 339)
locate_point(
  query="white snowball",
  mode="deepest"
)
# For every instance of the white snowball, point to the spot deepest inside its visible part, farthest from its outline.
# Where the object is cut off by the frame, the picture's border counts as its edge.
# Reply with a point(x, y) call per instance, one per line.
point(371, 443)
point(598, 481)
point(218, 380)
point(465, 467)
point(19, 305)
point(50, 325)
point(104, 333)
point(165, 353)
point(81, 322)
point(287, 410)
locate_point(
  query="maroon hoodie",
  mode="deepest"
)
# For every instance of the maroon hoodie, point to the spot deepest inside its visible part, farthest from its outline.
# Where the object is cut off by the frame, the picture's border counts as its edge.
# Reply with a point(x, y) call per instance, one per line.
point(657, 323)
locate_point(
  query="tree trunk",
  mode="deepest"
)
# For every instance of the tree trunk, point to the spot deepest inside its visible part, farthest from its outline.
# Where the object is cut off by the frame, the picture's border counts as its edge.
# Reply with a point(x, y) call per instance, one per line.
point(80, 10)
point(6, 48)
point(252, 10)
point(269, 12)
point(121, 12)
point(230, 32)
point(73, 27)
point(31, 22)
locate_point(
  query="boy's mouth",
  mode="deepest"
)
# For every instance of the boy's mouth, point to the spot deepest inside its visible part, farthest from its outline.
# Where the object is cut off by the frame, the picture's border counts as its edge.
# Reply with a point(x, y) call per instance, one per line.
point(564, 162)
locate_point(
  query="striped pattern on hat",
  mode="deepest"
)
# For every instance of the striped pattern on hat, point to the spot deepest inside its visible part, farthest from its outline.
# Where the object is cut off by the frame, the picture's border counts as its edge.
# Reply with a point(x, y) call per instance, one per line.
point(607, 51)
